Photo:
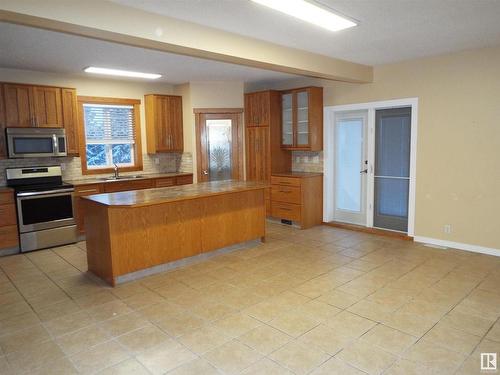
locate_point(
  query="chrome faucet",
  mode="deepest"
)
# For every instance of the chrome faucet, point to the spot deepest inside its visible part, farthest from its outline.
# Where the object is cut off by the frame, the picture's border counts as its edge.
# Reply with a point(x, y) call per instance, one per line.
point(117, 172)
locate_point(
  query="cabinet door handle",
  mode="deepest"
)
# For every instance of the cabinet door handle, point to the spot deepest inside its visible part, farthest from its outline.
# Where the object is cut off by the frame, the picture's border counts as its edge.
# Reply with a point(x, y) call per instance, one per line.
point(284, 209)
point(87, 191)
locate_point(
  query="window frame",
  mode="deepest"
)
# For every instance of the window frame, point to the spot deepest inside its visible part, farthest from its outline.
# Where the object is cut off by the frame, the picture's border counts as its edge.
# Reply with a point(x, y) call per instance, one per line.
point(136, 104)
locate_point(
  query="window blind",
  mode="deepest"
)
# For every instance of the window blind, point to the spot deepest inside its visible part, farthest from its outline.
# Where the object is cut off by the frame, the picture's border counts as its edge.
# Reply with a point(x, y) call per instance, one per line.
point(109, 124)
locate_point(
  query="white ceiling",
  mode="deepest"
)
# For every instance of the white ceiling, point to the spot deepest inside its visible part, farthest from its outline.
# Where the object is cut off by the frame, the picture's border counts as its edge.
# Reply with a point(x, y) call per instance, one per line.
point(389, 30)
point(47, 51)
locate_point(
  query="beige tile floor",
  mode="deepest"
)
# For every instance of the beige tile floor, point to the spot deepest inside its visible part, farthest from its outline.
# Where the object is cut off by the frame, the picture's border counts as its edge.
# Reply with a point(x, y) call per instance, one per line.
point(319, 301)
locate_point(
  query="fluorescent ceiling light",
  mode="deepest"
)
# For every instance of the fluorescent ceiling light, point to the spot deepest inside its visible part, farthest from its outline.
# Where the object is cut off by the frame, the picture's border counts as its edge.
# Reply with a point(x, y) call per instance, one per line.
point(122, 73)
point(309, 12)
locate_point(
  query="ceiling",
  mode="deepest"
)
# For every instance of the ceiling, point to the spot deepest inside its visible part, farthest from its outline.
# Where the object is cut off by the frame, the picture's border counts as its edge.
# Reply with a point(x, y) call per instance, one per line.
point(388, 30)
point(47, 51)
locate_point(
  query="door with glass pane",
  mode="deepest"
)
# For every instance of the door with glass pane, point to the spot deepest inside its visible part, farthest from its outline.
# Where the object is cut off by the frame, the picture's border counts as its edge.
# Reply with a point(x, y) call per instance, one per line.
point(219, 146)
point(351, 167)
point(392, 168)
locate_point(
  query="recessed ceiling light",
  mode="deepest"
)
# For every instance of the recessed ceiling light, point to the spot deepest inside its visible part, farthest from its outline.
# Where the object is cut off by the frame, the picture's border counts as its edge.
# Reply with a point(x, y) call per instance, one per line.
point(309, 12)
point(122, 73)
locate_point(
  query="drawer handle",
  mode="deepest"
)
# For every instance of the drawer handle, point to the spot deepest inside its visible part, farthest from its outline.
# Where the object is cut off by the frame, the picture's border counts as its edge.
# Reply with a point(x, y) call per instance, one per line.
point(285, 191)
point(284, 209)
point(87, 191)
point(284, 183)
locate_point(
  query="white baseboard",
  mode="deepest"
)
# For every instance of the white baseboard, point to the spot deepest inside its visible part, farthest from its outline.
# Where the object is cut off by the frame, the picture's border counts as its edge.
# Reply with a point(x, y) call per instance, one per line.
point(458, 245)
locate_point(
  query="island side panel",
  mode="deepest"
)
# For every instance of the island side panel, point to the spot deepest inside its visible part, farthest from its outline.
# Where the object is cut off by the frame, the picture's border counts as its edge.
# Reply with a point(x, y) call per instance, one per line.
point(143, 237)
point(98, 241)
point(232, 218)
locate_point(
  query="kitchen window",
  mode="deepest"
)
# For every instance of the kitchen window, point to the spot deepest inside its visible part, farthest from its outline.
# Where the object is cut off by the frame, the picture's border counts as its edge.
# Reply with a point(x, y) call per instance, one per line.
point(110, 134)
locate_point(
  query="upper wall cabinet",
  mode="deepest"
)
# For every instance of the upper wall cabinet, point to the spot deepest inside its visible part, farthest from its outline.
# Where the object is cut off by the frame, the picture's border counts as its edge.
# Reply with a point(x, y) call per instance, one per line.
point(164, 123)
point(48, 107)
point(23, 105)
point(70, 120)
point(257, 109)
point(19, 105)
point(302, 119)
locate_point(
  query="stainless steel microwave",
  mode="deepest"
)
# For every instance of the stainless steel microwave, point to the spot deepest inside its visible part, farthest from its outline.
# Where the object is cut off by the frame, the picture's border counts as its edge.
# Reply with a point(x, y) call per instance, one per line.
point(35, 142)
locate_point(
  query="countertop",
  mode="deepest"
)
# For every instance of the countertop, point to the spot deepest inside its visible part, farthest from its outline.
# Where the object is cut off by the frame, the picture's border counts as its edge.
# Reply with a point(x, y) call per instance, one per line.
point(297, 174)
point(148, 197)
point(5, 189)
point(89, 181)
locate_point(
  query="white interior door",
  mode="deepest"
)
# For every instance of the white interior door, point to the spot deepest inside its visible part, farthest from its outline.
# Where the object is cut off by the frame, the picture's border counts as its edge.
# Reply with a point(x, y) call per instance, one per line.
point(351, 167)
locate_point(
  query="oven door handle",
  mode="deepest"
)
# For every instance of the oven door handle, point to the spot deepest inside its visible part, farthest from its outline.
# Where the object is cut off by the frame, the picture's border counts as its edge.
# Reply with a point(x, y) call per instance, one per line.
point(48, 192)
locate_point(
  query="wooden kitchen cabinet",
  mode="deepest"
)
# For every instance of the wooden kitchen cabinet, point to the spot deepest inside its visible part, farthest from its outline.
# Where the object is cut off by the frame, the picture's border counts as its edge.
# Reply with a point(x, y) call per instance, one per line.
point(19, 105)
point(302, 119)
point(47, 108)
point(113, 187)
point(258, 108)
point(297, 197)
point(79, 204)
point(33, 106)
point(164, 123)
point(23, 105)
point(9, 238)
point(263, 152)
point(70, 120)
point(258, 154)
point(91, 188)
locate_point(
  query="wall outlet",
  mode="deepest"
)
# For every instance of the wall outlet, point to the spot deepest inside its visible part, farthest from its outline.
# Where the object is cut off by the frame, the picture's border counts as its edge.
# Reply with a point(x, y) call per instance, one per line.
point(447, 229)
point(157, 161)
point(63, 166)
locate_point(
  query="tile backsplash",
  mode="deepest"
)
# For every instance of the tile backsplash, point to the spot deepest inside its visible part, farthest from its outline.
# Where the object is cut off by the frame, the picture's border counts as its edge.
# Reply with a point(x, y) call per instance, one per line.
point(307, 161)
point(159, 163)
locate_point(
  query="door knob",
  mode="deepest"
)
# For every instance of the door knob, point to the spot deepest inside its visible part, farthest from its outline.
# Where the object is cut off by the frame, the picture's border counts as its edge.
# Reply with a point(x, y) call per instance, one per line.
point(205, 172)
point(364, 171)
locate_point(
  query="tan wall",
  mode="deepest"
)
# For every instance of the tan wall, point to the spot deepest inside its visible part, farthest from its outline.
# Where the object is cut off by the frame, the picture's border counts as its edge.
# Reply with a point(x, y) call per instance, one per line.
point(458, 160)
point(92, 87)
point(206, 95)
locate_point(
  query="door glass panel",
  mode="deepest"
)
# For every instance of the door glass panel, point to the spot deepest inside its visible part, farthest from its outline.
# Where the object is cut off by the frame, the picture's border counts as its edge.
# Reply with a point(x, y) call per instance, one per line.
point(392, 168)
point(348, 163)
point(40, 210)
point(303, 118)
point(219, 149)
point(287, 120)
point(24, 145)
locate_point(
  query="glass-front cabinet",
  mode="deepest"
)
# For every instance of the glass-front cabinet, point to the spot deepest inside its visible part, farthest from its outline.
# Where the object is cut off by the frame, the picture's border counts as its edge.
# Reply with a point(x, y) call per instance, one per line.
point(302, 119)
point(287, 120)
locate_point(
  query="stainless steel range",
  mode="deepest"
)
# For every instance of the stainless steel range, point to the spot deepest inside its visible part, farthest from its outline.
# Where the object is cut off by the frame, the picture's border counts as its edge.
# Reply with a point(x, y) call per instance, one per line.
point(44, 207)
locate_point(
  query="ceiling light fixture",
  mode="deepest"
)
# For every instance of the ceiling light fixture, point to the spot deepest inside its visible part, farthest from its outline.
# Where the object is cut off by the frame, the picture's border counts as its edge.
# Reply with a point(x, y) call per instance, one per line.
point(309, 12)
point(122, 73)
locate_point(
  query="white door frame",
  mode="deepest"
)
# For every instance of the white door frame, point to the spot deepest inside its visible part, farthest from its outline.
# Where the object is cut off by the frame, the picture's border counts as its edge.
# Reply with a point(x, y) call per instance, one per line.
point(328, 154)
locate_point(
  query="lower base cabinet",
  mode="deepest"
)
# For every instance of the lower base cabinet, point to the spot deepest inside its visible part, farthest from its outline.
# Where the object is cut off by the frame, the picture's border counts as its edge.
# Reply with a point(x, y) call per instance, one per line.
point(297, 197)
point(117, 186)
point(9, 237)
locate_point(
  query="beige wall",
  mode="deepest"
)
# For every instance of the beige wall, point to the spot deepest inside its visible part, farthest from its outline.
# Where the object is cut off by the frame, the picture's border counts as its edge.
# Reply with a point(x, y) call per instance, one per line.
point(206, 95)
point(92, 87)
point(458, 152)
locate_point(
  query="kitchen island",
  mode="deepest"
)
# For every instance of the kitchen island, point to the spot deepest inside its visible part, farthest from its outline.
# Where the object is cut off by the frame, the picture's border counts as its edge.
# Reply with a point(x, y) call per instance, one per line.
point(136, 233)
